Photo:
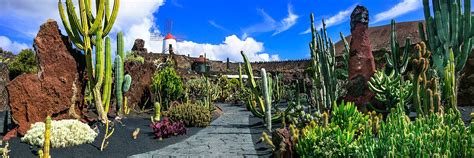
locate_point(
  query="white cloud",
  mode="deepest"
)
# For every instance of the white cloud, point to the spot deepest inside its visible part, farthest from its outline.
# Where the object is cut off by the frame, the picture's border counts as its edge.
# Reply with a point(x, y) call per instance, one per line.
point(337, 19)
point(405, 6)
point(230, 48)
point(135, 18)
point(269, 24)
point(7, 44)
point(288, 22)
point(213, 23)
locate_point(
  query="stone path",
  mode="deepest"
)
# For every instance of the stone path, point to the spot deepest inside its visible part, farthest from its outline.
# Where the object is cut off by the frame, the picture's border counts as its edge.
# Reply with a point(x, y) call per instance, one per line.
point(227, 136)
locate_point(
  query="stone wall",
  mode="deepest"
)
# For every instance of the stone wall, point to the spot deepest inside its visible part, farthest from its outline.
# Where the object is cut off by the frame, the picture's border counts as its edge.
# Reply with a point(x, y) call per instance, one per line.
point(4, 79)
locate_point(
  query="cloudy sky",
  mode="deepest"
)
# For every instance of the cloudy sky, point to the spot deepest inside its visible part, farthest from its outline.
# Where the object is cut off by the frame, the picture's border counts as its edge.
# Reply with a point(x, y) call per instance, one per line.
point(263, 29)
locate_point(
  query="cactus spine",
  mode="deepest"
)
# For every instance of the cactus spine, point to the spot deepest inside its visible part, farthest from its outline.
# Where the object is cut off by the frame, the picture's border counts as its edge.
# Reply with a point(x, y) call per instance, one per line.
point(86, 31)
point(393, 60)
point(323, 66)
point(426, 95)
point(267, 98)
point(450, 28)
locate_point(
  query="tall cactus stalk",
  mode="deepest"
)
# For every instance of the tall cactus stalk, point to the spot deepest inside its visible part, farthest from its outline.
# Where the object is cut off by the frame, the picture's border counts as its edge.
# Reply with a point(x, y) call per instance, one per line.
point(450, 28)
point(86, 31)
point(241, 81)
point(323, 65)
point(47, 137)
point(450, 83)
point(253, 83)
point(346, 55)
point(122, 83)
point(267, 99)
point(395, 61)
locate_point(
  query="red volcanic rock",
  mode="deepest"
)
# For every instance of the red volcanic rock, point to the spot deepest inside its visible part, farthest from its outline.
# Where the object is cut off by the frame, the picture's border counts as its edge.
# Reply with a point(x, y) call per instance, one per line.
point(361, 60)
point(56, 89)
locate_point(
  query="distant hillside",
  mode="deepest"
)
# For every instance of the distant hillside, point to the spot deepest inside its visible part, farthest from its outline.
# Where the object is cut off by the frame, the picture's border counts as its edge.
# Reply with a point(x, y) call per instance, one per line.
point(380, 36)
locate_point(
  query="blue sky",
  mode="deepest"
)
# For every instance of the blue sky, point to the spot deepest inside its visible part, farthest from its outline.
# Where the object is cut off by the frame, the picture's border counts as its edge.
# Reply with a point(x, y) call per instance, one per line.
point(266, 29)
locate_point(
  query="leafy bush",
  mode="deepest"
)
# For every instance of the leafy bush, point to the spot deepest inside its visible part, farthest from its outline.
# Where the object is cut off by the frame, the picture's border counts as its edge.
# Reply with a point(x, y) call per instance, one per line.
point(167, 86)
point(134, 57)
point(6, 56)
point(165, 128)
point(64, 133)
point(24, 62)
point(190, 114)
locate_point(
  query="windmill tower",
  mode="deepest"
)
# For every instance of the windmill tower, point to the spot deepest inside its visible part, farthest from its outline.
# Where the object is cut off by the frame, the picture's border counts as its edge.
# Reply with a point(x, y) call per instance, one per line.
point(169, 40)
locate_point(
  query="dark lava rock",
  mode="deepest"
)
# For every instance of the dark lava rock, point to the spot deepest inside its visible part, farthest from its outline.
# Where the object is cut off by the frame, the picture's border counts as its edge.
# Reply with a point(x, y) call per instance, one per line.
point(281, 138)
point(58, 86)
point(139, 46)
point(361, 60)
point(140, 90)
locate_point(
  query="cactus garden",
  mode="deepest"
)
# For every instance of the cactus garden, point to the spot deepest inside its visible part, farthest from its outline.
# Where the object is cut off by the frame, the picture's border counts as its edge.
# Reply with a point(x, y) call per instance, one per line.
point(126, 78)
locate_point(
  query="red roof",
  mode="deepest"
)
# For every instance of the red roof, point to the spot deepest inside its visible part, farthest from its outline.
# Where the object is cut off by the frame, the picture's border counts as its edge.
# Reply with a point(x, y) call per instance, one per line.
point(201, 59)
point(169, 36)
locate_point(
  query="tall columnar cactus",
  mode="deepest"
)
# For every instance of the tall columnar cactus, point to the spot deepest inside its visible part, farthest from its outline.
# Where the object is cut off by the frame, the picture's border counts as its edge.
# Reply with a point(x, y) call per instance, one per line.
point(47, 137)
point(426, 95)
point(241, 81)
point(450, 28)
point(450, 83)
point(257, 97)
point(323, 55)
point(122, 83)
point(267, 98)
point(86, 31)
point(396, 61)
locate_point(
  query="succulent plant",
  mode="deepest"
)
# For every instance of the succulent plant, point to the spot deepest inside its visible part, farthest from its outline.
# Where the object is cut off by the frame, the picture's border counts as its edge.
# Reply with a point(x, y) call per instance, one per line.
point(165, 128)
point(390, 89)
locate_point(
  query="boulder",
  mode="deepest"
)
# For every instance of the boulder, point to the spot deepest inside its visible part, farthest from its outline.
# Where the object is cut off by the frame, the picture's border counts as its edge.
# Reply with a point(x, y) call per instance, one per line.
point(361, 60)
point(281, 138)
point(58, 86)
point(140, 90)
point(139, 46)
point(4, 79)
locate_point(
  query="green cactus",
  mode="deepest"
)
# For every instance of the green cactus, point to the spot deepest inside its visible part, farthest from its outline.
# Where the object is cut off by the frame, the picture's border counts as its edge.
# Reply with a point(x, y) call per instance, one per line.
point(323, 56)
point(257, 97)
point(393, 60)
point(157, 115)
point(267, 98)
point(122, 83)
point(450, 28)
point(426, 95)
point(450, 83)
point(87, 31)
point(47, 137)
point(345, 56)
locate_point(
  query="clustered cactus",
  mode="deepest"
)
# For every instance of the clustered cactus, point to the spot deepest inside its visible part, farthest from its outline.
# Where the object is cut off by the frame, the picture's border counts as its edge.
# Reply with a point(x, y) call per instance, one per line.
point(86, 32)
point(323, 57)
point(122, 82)
point(64, 133)
point(190, 114)
point(426, 94)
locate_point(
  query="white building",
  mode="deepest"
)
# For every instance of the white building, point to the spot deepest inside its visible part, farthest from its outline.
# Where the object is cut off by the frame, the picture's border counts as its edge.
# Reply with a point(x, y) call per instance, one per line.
point(169, 40)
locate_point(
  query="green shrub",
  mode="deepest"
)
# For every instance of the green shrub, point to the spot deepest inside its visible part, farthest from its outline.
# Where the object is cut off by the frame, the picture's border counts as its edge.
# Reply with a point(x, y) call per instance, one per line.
point(191, 114)
point(353, 134)
point(24, 62)
point(6, 56)
point(167, 86)
point(198, 89)
point(134, 57)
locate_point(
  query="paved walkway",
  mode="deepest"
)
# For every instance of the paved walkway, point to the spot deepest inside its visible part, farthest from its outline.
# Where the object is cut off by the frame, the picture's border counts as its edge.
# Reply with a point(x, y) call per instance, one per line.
point(227, 136)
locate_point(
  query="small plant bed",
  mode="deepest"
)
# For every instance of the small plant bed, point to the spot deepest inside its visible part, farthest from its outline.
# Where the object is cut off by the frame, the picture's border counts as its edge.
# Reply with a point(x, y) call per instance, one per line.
point(121, 143)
